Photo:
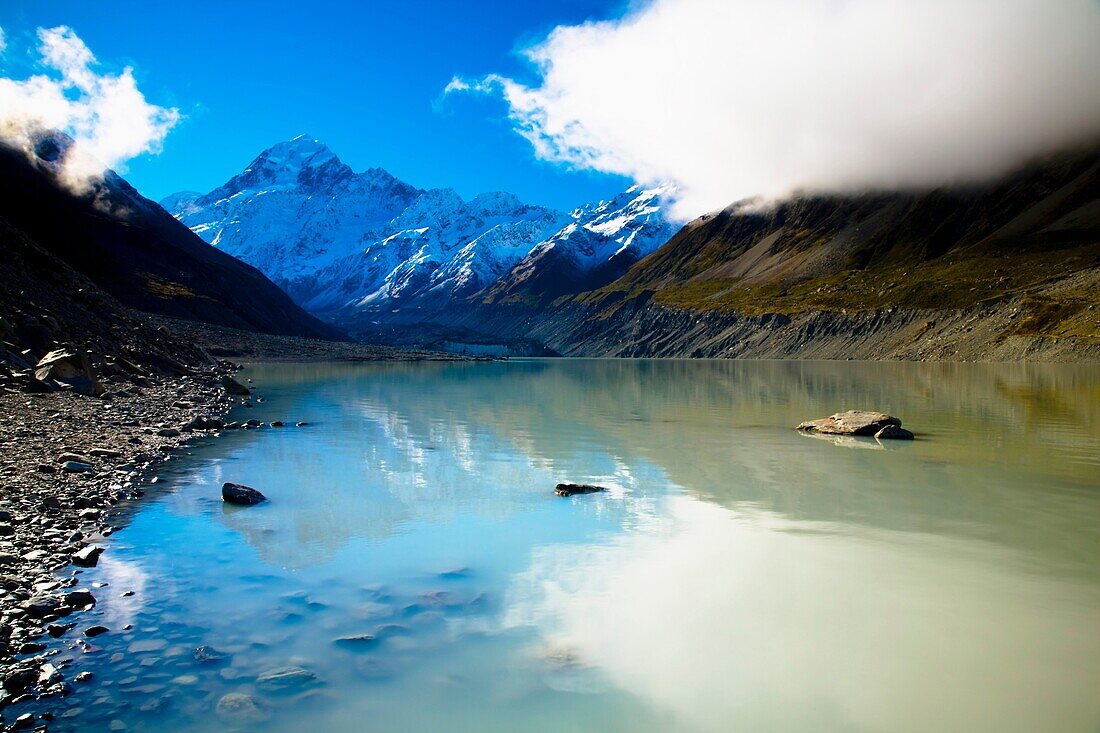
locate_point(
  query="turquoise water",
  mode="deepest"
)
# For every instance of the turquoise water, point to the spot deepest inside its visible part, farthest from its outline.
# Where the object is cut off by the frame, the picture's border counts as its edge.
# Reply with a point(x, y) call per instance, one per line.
point(738, 576)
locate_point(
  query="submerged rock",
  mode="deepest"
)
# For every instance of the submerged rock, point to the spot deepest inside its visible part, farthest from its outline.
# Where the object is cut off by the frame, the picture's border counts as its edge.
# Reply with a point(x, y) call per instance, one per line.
point(286, 678)
point(572, 489)
point(241, 495)
point(856, 422)
point(237, 705)
point(355, 642)
point(208, 655)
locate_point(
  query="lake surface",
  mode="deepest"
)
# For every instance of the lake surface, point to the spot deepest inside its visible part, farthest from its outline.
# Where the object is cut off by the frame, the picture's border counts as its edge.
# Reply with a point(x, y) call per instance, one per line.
point(738, 576)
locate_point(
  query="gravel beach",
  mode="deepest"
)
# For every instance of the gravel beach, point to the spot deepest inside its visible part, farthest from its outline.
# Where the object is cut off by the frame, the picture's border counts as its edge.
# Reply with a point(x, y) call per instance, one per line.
point(76, 457)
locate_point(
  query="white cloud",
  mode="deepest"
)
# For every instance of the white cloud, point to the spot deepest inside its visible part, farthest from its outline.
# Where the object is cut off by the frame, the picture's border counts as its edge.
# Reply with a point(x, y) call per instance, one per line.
point(106, 115)
point(739, 98)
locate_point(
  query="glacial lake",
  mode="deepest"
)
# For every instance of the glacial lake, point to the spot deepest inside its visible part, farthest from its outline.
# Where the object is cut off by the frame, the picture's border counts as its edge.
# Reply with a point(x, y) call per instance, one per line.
point(415, 572)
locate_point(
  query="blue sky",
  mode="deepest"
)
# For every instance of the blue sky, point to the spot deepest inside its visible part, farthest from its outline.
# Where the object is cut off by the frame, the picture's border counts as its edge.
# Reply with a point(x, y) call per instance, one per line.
point(366, 78)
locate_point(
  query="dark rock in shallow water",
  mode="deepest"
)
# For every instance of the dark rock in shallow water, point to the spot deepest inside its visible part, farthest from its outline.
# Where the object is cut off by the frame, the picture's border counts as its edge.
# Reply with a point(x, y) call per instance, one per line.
point(572, 489)
point(852, 422)
point(241, 495)
point(233, 387)
point(58, 630)
point(95, 631)
point(79, 598)
point(895, 432)
point(88, 557)
point(19, 680)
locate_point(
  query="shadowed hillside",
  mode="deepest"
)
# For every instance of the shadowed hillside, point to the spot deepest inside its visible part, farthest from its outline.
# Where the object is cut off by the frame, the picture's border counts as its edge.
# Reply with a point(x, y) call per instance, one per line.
point(1004, 270)
point(137, 252)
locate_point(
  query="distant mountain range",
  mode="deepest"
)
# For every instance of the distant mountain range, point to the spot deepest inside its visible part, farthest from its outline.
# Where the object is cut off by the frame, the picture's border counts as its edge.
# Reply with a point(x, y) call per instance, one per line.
point(357, 247)
point(1004, 269)
point(985, 271)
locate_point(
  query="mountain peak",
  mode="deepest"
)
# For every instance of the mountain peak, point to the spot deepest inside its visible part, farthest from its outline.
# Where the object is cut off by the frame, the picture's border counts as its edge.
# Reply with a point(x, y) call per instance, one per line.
point(302, 161)
point(289, 157)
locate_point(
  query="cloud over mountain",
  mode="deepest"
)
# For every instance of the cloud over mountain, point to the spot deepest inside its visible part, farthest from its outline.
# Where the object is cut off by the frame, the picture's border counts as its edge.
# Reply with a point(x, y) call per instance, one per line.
point(740, 98)
point(106, 114)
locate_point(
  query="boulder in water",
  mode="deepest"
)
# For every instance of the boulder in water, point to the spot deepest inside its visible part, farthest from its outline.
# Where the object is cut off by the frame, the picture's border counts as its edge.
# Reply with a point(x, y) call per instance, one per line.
point(573, 489)
point(856, 422)
point(241, 495)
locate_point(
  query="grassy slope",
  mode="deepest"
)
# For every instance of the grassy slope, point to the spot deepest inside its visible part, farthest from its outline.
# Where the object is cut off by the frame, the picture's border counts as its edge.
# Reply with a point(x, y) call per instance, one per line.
point(1033, 237)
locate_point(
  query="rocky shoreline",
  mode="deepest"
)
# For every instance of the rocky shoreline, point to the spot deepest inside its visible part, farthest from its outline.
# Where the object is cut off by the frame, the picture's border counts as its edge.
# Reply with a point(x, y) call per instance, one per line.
point(72, 464)
point(83, 432)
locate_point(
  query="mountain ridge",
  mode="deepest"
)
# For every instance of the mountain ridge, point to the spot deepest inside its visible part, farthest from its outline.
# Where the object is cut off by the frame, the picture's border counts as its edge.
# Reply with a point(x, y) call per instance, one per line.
point(1005, 269)
point(357, 247)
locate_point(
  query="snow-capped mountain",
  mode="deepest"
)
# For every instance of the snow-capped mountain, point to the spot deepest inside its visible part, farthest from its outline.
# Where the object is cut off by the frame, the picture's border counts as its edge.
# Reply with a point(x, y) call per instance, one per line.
point(601, 242)
point(439, 249)
point(293, 211)
point(340, 241)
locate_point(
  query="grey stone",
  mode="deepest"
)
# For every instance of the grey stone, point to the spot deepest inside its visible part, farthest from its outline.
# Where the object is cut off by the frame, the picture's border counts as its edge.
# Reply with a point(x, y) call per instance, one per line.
point(87, 557)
